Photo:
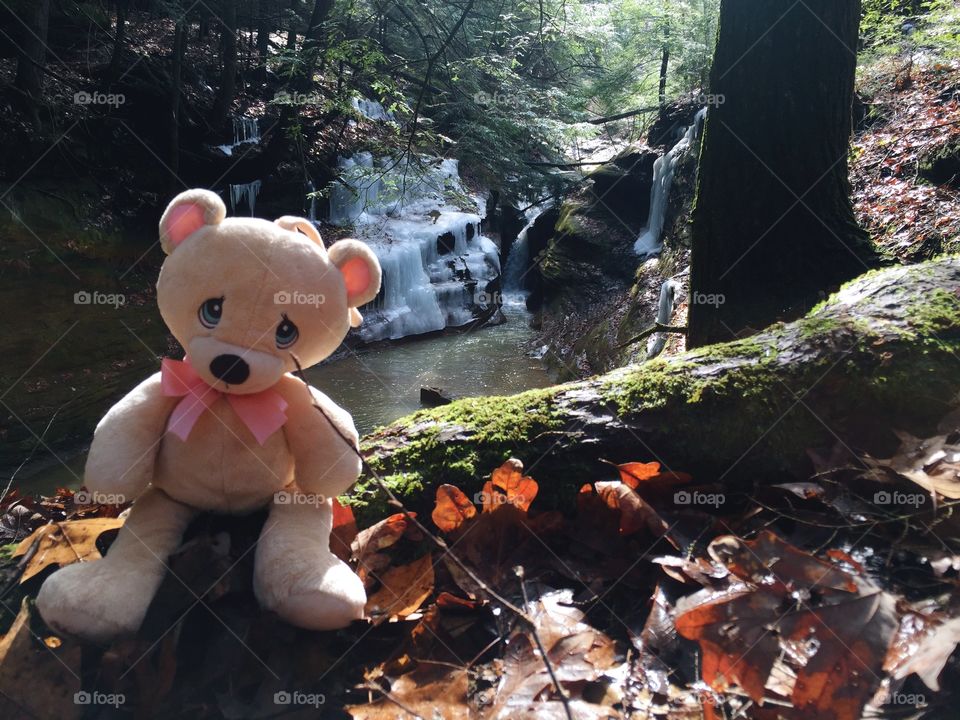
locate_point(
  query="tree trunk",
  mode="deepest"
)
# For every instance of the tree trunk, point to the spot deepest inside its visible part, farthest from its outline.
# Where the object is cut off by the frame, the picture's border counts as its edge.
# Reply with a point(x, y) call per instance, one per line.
point(228, 59)
point(311, 43)
point(33, 43)
point(664, 65)
point(773, 224)
point(294, 25)
point(264, 26)
point(179, 44)
point(882, 353)
point(119, 39)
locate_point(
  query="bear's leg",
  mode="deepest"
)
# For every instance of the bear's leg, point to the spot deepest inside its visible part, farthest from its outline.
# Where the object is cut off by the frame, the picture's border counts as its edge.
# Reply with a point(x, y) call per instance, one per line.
point(101, 599)
point(298, 577)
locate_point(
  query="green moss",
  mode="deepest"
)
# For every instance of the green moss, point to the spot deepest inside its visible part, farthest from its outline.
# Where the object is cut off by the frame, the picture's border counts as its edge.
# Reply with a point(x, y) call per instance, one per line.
point(940, 311)
point(497, 427)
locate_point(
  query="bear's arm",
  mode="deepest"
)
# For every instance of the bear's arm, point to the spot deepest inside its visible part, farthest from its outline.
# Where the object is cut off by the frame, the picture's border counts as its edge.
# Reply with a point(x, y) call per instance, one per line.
point(126, 440)
point(323, 463)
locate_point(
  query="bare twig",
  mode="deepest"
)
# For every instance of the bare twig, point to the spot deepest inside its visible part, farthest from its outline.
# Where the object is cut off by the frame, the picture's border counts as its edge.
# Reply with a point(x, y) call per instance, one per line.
point(441, 546)
point(655, 328)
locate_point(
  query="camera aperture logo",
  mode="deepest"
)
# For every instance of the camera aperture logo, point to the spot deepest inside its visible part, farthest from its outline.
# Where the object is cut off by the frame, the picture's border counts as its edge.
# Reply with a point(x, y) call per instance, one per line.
point(284, 497)
point(99, 698)
point(295, 297)
point(92, 497)
point(895, 497)
point(695, 497)
point(296, 697)
point(86, 297)
point(114, 100)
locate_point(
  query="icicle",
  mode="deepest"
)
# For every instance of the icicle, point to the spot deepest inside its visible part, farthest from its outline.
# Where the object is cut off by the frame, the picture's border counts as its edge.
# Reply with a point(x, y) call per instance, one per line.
point(668, 299)
point(648, 243)
point(245, 192)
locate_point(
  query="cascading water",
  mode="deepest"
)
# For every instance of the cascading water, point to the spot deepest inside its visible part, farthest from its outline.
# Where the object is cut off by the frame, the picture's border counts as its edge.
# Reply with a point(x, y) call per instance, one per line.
point(245, 130)
point(437, 267)
point(668, 300)
point(648, 244)
point(245, 193)
point(518, 260)
point(371, 109)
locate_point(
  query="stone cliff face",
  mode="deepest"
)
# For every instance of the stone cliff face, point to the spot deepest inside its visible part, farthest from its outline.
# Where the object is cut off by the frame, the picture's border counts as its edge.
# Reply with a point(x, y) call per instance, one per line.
point(596, 293)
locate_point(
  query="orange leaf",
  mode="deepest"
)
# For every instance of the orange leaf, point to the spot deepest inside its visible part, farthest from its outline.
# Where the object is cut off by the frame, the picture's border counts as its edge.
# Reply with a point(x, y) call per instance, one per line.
point(519, 489)
point(634, 473)
point(453, 508)
point(344, 530)
point(403, 589)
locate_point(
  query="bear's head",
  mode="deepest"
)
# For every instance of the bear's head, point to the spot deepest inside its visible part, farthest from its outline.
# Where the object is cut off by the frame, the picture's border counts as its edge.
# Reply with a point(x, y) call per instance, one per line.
point(245, 296)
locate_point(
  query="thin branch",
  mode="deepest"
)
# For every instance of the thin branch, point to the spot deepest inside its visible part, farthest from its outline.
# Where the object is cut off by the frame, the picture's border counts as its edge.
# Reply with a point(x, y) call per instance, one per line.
point(655, 328)
point(439, 543)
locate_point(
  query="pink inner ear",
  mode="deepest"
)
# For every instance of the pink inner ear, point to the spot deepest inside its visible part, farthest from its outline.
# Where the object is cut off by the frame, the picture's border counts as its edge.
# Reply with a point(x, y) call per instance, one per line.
point(182, 222)
point(356, 276)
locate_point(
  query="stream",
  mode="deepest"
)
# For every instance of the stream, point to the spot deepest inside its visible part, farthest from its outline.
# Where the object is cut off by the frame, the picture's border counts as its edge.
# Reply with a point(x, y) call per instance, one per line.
point(382, 383)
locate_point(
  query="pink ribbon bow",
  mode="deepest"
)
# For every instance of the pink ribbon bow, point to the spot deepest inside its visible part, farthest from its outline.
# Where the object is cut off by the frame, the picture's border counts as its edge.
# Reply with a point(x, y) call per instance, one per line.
point(262, 412)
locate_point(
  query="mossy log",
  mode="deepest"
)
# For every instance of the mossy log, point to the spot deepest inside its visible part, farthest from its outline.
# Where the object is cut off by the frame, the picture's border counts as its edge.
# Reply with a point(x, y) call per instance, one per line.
point(882, 353)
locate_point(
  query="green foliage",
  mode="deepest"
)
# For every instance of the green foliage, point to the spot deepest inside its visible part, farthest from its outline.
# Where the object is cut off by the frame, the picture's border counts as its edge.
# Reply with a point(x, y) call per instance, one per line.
point(895, 26)
point(507, 86)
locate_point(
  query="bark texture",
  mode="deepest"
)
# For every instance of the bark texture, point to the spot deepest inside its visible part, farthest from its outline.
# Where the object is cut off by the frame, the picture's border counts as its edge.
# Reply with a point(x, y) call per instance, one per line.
point(773, 223)
point(881, 353)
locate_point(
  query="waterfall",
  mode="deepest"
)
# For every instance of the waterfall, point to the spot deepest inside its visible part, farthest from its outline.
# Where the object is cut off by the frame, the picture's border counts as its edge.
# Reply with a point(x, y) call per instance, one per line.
point(245, 192)
point(371, 109)
point(668, 299)
point(436, 263)
point(648, 243)
point(312, 211)
point(518, 260)
point(245, 130)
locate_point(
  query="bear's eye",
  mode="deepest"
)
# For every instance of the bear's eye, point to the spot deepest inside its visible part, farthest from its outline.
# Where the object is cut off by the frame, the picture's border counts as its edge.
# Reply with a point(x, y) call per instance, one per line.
point(210, 312)
point(287, 333)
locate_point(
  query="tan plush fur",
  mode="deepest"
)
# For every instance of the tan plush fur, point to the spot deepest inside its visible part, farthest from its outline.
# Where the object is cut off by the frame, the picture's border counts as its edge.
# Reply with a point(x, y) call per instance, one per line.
point(262, 274)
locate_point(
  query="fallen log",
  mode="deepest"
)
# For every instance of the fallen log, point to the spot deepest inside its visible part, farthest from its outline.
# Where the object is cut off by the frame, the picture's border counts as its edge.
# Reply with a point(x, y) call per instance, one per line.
point(882, 353)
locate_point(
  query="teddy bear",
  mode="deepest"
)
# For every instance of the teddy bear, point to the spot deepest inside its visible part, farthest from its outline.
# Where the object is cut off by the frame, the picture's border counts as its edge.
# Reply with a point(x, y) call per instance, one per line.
point(230, 428)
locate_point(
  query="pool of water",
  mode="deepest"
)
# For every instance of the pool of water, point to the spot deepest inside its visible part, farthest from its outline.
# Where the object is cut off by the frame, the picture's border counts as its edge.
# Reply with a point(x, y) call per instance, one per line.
point(380, 384)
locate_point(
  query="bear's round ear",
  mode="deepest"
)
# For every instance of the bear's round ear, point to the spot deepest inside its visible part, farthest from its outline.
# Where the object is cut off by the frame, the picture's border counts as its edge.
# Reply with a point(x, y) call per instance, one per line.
point(188, 212)
point(300, 225)
point(360, 269)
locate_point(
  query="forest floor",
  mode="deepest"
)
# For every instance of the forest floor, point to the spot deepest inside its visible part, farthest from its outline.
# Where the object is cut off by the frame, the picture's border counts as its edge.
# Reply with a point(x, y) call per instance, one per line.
point(911, 209)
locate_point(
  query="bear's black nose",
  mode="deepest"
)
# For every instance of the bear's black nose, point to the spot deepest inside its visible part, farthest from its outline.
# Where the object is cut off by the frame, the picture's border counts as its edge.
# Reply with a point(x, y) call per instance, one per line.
point(232, 369)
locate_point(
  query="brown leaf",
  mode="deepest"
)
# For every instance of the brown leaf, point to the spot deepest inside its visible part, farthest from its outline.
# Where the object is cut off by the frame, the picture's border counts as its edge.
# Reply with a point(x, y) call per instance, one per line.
point(403, 590)
point(923, 646)
point(633, 474)
point(635, 513)
point(344, 530)
point(508, 485)
point(64, 543)
point(452, 508)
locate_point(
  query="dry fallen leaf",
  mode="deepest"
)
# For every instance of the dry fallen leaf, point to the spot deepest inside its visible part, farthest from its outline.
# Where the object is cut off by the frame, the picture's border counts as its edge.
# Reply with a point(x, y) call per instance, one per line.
point(64, 543)
point(403, 590)
point(453, 508)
